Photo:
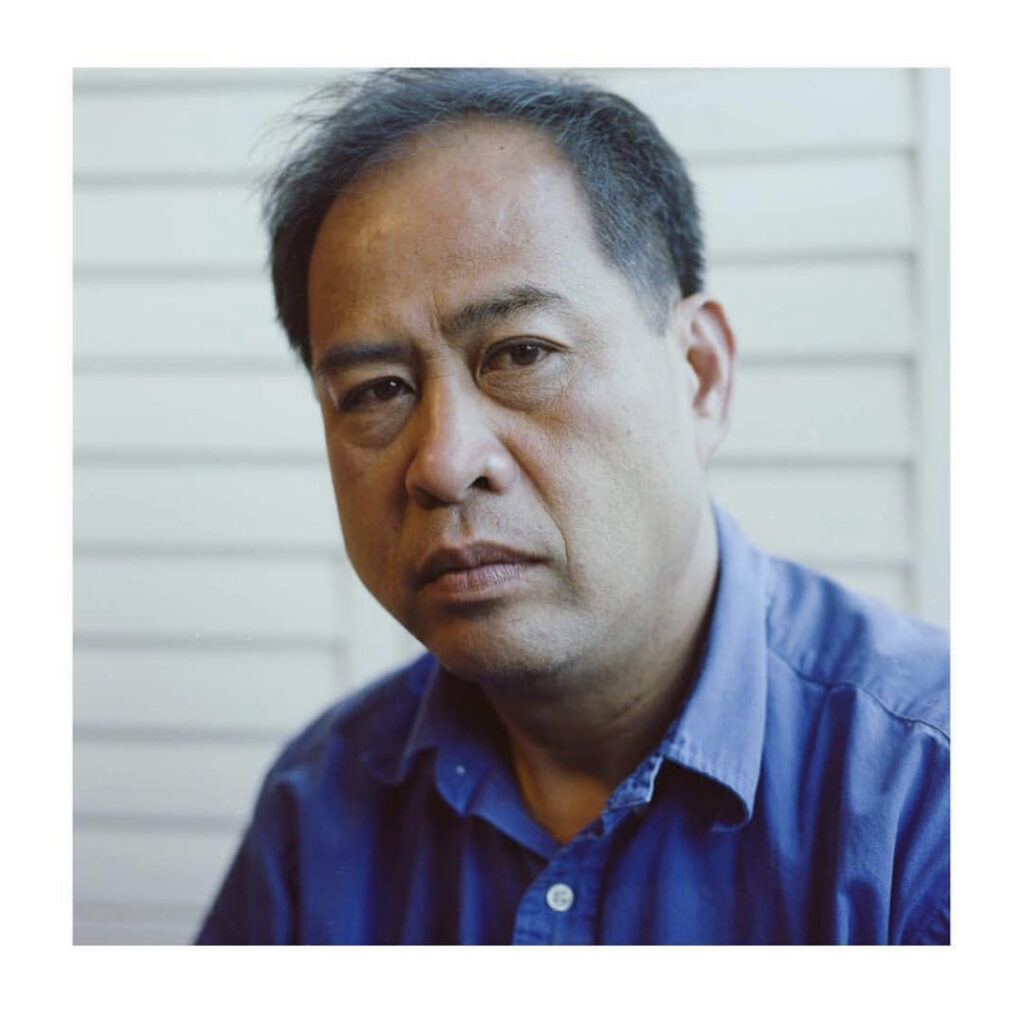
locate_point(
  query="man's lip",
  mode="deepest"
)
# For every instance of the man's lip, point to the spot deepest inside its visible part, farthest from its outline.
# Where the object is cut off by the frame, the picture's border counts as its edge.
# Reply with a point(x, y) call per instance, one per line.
point(467, 556)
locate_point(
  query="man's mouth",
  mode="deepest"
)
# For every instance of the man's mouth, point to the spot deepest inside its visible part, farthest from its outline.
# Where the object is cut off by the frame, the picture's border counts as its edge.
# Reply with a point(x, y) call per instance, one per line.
point(472, 568)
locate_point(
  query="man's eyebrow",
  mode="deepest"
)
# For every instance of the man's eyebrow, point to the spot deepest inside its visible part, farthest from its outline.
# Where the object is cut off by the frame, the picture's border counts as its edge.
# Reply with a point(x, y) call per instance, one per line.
point(351, 354)
point(474, 316)
point(492, 309)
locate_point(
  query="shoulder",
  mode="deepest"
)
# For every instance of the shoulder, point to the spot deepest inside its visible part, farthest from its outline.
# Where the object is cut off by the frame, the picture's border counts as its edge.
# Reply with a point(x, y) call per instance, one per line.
point(844, 641)
point(377, 717)
point(859, 694)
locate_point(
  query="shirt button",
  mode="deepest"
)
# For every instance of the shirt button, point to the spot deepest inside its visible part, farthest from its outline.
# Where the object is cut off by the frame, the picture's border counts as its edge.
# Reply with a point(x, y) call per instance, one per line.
point(560, 897)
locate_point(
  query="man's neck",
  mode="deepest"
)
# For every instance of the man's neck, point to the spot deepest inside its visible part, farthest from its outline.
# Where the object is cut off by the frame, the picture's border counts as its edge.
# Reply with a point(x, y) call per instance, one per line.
point(566, 780)
point(572, 748)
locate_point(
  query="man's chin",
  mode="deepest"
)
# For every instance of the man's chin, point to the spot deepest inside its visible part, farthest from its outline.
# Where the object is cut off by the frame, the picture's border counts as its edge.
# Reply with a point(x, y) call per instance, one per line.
point(496, 656)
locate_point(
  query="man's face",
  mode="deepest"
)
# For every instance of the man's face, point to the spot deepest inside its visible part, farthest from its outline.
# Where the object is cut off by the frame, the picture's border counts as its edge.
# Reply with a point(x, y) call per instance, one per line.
point(512, 447)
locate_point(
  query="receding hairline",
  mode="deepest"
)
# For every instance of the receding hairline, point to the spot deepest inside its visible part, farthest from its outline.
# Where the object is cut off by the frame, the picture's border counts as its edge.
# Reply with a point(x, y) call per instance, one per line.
point(442, 137)
point(403, 154)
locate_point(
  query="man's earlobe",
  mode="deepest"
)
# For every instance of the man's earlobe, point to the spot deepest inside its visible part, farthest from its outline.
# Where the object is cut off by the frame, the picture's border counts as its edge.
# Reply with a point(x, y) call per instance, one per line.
point(710, 354)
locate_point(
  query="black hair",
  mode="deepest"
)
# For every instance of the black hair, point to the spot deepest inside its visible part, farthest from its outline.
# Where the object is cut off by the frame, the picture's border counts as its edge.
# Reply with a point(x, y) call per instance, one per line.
point(641, 199)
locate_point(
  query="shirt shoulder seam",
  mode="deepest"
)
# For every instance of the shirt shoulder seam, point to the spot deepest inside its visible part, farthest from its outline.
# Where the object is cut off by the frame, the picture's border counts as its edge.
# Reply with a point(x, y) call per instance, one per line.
point(812, 679)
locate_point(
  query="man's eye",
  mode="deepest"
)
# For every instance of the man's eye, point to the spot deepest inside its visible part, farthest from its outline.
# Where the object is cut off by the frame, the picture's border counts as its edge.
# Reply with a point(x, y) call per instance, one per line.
point(371, 394)
point(513, 355)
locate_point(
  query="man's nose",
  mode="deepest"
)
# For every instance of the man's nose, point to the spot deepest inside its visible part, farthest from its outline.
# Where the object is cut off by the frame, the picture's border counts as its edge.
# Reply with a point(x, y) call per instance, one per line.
point(457, 449)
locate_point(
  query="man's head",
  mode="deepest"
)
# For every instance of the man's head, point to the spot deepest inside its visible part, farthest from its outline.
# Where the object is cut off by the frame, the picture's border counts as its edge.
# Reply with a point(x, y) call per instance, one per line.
point(640, 198)
point(516, 424)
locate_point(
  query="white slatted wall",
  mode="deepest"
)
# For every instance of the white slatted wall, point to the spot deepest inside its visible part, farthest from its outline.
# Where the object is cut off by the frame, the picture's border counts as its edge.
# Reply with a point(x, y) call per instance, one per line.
point(214, 610)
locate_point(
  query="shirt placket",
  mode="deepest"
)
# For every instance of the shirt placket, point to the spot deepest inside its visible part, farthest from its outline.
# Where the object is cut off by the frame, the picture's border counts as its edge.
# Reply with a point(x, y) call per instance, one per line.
point(562, 906)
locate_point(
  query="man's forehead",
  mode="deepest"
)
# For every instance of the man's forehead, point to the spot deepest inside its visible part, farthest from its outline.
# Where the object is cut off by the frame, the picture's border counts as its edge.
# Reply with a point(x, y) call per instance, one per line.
point(475, 170)
point(488, 202)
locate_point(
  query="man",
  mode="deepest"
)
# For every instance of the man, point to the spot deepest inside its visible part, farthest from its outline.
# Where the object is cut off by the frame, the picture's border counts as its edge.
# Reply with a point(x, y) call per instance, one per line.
point(633, 727)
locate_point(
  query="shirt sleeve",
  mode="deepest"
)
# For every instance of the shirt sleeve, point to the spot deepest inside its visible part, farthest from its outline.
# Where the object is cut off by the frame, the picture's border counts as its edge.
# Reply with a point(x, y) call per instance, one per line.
point(254, 905)
point(921, 895)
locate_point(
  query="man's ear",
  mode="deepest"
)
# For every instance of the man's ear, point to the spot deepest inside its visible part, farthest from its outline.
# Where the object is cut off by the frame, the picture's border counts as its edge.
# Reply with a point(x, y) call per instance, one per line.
point(710, 351)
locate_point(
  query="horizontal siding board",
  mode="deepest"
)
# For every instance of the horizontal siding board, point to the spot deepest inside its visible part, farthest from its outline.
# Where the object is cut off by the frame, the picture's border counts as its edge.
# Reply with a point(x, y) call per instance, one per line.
point(831, 206)
point(818, 412)
point(143, 227)
point(151, 867)
point(856, 512)
point(192, 689)
point(170, 781)
point(829, 309)
point(827, 206)
point(375, 642)
point(191, 130)
point(789, 409)
point(841, 308)
point(215, 319)
point(204, 121)
point(208, 598)
point(708, 113)
point(220, 604)
point(219, 507)
point(199, 412)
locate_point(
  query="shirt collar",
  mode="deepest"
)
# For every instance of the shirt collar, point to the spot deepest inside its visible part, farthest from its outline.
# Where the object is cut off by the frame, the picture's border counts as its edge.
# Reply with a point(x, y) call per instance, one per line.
point(454, 718)
point(719, 732)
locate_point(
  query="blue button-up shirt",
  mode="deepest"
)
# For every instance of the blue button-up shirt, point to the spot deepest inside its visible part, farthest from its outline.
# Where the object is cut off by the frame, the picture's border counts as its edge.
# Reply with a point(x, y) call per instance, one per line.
point(799, 796)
